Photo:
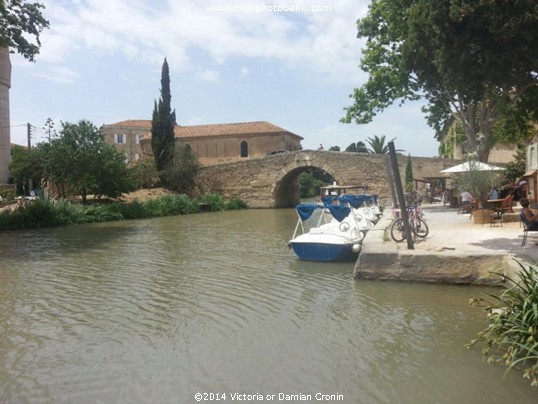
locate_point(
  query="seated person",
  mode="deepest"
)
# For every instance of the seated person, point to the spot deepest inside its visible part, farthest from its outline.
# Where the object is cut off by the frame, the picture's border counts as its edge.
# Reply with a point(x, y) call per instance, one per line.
point(529, 217)
point(493, 194)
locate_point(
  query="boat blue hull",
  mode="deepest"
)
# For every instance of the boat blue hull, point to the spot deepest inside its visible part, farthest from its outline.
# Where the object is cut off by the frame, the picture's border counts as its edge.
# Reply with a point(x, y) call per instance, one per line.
point(323, 252)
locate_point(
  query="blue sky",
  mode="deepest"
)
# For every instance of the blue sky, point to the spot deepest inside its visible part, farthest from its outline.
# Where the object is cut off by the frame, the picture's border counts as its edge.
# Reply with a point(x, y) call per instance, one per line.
point(101, 60)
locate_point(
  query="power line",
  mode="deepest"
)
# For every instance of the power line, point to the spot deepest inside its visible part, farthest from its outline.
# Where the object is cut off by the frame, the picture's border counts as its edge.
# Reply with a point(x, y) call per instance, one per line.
point(12, 126)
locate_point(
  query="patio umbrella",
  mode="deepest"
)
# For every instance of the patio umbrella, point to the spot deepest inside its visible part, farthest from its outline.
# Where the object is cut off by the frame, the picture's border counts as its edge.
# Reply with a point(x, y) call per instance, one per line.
point(474, 165)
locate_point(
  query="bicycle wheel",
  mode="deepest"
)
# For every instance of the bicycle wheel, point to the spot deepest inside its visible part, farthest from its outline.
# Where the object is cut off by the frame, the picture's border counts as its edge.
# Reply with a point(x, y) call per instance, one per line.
point(397, 230)
point(421, 228)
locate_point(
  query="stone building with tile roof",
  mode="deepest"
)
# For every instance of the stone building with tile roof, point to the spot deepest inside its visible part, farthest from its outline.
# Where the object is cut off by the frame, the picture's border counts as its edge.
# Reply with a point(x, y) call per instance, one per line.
point(212, 144)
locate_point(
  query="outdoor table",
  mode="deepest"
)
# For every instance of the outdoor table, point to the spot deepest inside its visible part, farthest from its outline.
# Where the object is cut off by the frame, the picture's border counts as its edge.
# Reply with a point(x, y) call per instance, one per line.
point(497, 203)
point(498, 206)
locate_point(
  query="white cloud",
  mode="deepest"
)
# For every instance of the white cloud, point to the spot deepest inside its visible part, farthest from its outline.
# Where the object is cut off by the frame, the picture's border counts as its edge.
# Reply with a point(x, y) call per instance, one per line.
point(58, 74)
point(244, 71)
point(314, 43)
point(208, 75)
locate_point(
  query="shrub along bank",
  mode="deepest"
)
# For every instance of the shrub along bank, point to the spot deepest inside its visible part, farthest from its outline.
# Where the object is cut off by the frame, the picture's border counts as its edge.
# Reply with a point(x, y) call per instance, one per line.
point(511, 337)
point(62, 212)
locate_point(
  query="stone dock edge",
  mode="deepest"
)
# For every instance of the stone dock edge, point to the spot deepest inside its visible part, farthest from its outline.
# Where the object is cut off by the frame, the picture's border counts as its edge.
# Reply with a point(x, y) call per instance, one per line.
point(383, 259)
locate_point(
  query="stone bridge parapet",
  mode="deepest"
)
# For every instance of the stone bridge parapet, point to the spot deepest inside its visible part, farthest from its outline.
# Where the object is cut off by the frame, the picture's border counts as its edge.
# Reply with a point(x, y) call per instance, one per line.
point(272, 181)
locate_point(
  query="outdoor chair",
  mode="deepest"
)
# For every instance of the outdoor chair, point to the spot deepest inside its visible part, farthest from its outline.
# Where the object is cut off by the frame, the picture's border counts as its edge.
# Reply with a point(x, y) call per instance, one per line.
point(464, 207)
point(526, 230)
point(488, 214)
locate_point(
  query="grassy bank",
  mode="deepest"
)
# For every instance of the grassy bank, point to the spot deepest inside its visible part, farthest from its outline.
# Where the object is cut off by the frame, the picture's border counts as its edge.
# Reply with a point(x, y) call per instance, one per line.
point(62, 212)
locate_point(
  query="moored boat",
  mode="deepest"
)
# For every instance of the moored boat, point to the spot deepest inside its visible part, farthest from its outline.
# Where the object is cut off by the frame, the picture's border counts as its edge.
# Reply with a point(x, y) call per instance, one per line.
point(340, 228)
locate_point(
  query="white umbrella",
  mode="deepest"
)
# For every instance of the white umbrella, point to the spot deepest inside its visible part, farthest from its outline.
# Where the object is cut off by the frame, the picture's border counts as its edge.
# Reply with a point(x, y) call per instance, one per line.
point(471, 165)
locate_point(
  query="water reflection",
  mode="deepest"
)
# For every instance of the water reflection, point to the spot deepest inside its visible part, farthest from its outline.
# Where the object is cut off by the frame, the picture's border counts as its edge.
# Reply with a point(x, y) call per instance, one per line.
point(157, 310)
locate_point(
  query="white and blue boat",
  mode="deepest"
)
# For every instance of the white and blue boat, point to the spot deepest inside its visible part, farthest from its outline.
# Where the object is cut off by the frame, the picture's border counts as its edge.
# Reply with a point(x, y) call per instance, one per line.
point(340, 228)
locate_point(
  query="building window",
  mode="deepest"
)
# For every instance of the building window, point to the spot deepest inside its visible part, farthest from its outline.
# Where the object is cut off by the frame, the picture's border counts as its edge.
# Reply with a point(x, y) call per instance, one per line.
point(119, 138)
point(244, 149)
point(138, 138)
point(137, 156)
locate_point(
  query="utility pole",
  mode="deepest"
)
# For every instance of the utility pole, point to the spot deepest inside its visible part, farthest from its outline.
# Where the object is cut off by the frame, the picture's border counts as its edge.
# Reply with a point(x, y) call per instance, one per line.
point(400, 195)
point(29, 134)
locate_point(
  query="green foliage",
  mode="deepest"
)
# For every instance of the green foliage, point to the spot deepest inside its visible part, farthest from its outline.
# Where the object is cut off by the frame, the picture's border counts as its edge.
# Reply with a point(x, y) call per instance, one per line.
point(358, 147)
point(511, 337)
point(62, 212)
point(471, 60)
point(144, 173)
point(455, 136)
point(309, 185)
point(163, 123)
point(216, 201)
point(378, 145)
point(20, 20)
point(181, 175)
point(171, 205)
point(409, 175)
point(80, 159)
point(25, 165)
point(515, 125)
point(334, 148)
point(516, 168)
point(477, 182)
point(235, 204)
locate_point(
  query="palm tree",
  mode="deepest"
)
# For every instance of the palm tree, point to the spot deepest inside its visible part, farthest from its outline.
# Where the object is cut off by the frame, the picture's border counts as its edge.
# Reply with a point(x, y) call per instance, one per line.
point(378, 146)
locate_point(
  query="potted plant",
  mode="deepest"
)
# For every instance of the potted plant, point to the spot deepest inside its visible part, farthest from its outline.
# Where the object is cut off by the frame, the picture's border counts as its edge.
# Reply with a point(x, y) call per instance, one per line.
point(479, 183)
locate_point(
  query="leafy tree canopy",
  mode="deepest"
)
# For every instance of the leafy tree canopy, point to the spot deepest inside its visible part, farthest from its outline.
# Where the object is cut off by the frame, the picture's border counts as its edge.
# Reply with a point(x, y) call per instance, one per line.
point(358, 147)
point(25, 164)
point(80, 159)
point(181, 174)
point(20, 20)
point(469, 59)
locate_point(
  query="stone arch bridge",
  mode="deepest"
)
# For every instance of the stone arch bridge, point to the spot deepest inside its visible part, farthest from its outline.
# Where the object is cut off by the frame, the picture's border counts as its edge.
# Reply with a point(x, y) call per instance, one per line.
point(273, 181)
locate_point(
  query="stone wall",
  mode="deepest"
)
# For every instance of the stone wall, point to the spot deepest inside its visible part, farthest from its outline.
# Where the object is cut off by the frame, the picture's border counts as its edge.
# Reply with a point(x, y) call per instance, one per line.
point(272, 181)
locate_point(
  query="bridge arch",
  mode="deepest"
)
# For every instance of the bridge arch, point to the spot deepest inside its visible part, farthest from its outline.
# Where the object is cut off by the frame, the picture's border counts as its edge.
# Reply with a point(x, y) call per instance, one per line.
point(285, 189)
point(273, 181)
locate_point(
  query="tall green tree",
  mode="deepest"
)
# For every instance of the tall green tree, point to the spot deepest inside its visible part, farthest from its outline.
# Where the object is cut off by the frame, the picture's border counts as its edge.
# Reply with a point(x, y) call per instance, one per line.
point(162, 126)
point(25, 166)
point(19, 21)
point(409, 174)
point(79, 159)
point(469, 59)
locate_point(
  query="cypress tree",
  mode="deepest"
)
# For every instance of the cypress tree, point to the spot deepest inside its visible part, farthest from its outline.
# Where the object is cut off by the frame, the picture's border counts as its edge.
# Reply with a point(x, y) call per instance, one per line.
point(409, 174)
point(162, 126)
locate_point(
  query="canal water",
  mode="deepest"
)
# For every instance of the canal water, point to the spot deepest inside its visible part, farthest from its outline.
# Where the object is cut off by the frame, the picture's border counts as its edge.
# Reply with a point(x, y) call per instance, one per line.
point(156, 311)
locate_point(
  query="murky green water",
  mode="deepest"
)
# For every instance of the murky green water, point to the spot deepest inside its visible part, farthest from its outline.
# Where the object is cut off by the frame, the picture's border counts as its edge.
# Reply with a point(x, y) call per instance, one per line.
point(157, 310)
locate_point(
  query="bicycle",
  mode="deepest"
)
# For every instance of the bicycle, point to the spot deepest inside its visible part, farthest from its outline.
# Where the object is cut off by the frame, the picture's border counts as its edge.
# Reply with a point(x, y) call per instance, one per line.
point(418, 227)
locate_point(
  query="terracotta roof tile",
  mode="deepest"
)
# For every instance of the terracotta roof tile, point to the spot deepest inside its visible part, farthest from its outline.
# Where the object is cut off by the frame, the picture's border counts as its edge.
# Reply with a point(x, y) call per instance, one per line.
point(221, 129)
point(138, 123)
point(225, 129)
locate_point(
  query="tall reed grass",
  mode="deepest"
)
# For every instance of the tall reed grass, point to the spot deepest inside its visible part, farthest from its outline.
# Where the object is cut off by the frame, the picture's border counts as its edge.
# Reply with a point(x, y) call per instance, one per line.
point(62, 212)
point(511, 337)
